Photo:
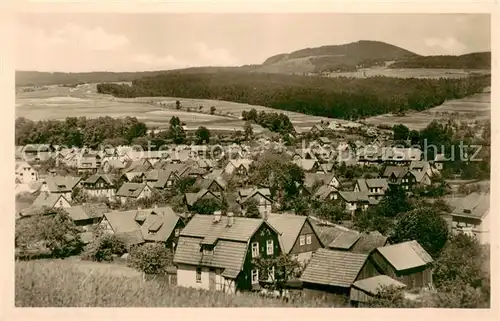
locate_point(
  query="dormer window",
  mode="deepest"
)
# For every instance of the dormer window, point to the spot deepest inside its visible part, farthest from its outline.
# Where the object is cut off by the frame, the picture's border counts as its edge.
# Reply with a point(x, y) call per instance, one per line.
point(207, 249)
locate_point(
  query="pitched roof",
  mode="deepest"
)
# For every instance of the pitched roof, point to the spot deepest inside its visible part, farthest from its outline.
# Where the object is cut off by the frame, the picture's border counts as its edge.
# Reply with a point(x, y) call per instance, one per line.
point(94, 178)
point(87, 211)
point(355, 197)
point(122, 221)
point(250, 193)
point(475, 205)
point(406, 154)
point(115, 163)
point(229, 255)
point(397, 170)
point(375, 284)
point(202, 226)
point(328, 233)
point(130, 190)
point(46, 200)
point(406, 255)
point(368, 242)
point(161, 221)
point(289, 226)
point(305, 164)
point(345, 240)
point(334, 268)
point(61, 184)
point(324, 191)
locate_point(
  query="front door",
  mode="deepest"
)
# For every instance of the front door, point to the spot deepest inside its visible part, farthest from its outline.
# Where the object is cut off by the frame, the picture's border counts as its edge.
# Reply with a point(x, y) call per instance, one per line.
point(211, 279)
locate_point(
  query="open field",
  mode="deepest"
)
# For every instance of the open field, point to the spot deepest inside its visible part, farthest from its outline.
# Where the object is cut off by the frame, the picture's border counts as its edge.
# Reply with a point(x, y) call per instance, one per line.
point(72, 283)
point(409, 73)
point(475, 107)
point(61, 102)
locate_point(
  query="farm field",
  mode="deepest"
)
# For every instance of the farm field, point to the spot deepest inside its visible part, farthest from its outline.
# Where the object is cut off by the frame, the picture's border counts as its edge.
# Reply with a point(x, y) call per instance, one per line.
point(61, 102)
point(409, 73)
point(75, 283)
point(475, 107)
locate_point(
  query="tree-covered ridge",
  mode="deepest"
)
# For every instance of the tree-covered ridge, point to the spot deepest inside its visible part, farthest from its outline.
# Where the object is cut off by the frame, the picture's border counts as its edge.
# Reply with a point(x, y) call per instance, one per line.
point(476, 60)
point(346, 98)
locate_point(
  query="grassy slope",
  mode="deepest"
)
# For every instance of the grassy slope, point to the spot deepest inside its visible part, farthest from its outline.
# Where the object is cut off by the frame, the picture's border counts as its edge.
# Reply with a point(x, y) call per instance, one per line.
point(476, 60)
point(68, 283)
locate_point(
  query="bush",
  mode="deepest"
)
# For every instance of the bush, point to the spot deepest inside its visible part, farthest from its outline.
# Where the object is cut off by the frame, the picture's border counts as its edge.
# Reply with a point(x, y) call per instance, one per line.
point(103, 248)
point(150, 258)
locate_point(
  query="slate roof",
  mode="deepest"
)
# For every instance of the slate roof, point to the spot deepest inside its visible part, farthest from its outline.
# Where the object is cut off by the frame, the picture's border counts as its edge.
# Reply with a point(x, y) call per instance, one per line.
point(328, 233)
point(345, 240)
point(374, 284)
point(368, 242)
point(141, 165)
point(324, 191)
point(61, 184)
point(130, 190)
point(475, 205)
point(397, 170)
point(159, 177)
point(205, 183)
point(334, 268)
point(192, 198)
point(247, 194)
point(115, 163)
point(305, 164)
point(357, 197)
point(46, 199)
point(229, 255)
point(94, 178)
point(86, 211)
point(406, 255)
point(289, 226)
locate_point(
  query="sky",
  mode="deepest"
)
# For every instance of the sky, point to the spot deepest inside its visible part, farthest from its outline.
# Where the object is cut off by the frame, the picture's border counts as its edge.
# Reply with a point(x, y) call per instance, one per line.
point(83, 42)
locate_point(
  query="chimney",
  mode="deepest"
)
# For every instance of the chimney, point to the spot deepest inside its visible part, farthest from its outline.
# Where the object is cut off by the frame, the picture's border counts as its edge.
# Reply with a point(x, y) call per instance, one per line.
point(217, 215)
point(264, 216)
point(230, 219)
point(156, 206)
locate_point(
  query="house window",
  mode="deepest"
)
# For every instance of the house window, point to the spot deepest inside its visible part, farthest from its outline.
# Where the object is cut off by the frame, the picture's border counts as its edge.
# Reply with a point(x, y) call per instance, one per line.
point(302, 240)
point(255, 276)
point(308, 239)
point(270, 247)
point(255, 249)
point(270, 276)
point(60, 203)
point(198, 275)
point(177, 232)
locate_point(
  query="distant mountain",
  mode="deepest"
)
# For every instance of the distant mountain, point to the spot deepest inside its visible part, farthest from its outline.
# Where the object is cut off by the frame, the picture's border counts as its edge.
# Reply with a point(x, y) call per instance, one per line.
point(347, 57)
point(476, 60)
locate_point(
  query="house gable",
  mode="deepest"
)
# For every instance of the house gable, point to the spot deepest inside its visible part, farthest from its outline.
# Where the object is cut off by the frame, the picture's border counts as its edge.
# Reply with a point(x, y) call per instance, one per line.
point(305, 232)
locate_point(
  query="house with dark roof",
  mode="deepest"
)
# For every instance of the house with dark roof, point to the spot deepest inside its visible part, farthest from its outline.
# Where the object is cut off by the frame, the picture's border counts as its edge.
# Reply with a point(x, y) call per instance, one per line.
point(374, 187)
point(308, 165)
point(139, 166)
point(100, 185)
point(326, 193)
point(356, 242)
point(108, 165)
point(190, 199)
point(45, 201)
point(161, 179)
point(61, 185)
point(262, 196)
point(218, 253)
point(471, 216)
point(317, 129)
point(240, 167)
point(88, 162)
point(401, 156)
point(335, 271)
point(356, 200)
point(133, 192)
point(365, 290)
point(298, 236)
point(87, 214)
point(406, 262)
point(159, 224)
point(216, 184)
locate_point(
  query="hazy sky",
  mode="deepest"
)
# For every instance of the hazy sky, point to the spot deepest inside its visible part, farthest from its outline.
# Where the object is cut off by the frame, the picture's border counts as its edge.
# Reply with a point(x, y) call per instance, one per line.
point(131, 42)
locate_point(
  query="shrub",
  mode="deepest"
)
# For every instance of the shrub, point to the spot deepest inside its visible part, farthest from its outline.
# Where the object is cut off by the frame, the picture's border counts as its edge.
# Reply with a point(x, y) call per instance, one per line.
point(150, 258)
point(103, 248)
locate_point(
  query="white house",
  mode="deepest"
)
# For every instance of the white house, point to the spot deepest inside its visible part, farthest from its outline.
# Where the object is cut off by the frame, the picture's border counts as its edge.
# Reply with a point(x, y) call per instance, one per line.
point(25, 173)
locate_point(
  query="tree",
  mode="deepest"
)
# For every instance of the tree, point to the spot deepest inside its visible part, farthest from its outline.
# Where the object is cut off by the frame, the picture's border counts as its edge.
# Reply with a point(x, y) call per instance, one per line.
point(394, 202)
point(252, 209)
point(103, 248)
point(248, 130)
point(177, 104)
point(285, 266)
point(206, 206)
point(57, 233)
point(175, 131)
point(212, 110)
point(202, 135)
point(151, 258)
point(424, 225)
point(301, 206)
point(401, 132)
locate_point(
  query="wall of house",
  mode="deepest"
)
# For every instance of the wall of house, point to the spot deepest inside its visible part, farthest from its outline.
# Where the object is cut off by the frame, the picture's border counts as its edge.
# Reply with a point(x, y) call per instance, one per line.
point(186, 277)
point(261, 236)
point(359, 296)
point(146, 192)
point(27, 175)
point(109, 192)
point(367, 271)
point(62, 203)
point(306, 248)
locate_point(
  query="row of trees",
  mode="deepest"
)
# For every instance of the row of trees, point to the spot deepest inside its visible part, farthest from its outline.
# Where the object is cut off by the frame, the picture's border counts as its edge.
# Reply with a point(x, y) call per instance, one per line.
point(275, 122)
point(347, 98)
point(79, 131)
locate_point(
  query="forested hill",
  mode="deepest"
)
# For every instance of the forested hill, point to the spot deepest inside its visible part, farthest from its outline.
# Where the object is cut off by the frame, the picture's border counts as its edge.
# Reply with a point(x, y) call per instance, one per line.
point(347, 98)
point(346, 57)
point(476, 60)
